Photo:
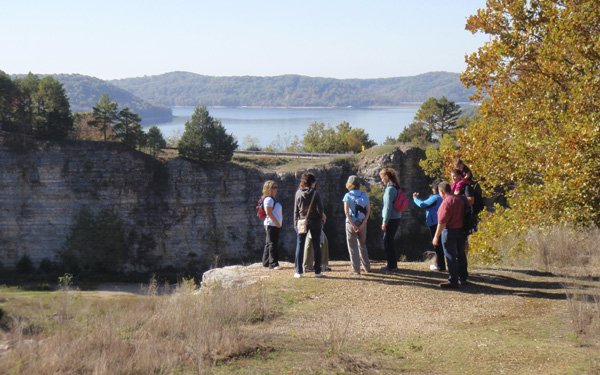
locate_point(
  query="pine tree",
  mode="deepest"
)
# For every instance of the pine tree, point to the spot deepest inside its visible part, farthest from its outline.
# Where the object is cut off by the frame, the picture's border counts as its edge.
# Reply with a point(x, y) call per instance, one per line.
point(205, 139)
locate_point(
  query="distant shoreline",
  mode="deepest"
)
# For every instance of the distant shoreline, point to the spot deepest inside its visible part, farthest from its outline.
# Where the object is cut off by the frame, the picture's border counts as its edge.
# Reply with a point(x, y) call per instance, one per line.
point(403, 105)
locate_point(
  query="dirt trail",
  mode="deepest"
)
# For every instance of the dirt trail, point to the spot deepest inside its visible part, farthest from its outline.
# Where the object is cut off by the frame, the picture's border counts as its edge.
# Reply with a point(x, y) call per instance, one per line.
point(410, 301)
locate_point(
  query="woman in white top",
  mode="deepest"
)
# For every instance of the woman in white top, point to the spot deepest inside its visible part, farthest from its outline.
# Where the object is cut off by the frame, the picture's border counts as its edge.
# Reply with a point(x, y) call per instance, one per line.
point(272, 224)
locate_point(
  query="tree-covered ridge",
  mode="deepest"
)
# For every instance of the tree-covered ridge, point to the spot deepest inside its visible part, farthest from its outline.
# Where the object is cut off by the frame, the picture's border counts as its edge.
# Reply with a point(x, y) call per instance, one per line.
point(84, 91)
point(183, 88)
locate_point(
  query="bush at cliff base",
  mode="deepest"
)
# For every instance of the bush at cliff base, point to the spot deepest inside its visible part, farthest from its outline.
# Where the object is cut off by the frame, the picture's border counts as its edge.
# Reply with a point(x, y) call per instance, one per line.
point(502, 233)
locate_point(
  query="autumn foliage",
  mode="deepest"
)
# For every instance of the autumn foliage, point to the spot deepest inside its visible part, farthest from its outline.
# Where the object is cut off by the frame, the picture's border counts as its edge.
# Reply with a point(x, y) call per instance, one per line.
point(538, 134)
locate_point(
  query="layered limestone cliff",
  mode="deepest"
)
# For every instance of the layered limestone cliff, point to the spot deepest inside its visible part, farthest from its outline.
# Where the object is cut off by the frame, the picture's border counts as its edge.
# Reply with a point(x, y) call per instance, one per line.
point(176, 214)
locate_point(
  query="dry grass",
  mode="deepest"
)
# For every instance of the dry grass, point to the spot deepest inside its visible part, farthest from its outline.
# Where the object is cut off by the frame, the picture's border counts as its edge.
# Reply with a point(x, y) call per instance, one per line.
point(187, 331)
point(507, 321)
point(574, 252)
point(566, 249)
point(584, 310)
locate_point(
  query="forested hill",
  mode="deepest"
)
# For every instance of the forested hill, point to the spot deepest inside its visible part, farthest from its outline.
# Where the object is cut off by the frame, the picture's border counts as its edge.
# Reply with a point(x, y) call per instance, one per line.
point(183, 88)
point(84, 92)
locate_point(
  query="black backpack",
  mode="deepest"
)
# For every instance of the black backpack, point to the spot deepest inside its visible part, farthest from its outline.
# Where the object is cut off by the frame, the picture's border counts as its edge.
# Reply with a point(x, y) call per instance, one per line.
point(478, 205)
point(470, 218)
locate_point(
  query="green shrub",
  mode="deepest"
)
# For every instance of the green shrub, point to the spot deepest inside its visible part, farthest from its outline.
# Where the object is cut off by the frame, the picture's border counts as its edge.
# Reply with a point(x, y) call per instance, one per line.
point(96, 243)
point(47, 266)
point(25, 265)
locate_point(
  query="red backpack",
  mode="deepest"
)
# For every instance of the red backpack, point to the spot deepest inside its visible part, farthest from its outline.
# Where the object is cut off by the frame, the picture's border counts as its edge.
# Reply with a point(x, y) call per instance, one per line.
point(260, 208)
point(401, 202)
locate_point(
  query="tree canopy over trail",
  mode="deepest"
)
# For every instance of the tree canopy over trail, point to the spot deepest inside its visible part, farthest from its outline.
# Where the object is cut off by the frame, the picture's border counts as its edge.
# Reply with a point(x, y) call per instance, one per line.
point(537, 135)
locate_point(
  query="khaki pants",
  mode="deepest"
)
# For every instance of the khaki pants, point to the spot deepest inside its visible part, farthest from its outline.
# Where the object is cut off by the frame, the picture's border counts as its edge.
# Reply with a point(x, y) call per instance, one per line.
point(309, 253)
point(357, 247)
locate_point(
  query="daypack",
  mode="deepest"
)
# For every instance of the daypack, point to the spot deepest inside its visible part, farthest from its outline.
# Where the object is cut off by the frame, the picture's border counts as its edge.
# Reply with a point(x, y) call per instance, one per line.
point(400, 202)
point(469, 219)
point(478, 204)
point(260, 208)
point(357, 206)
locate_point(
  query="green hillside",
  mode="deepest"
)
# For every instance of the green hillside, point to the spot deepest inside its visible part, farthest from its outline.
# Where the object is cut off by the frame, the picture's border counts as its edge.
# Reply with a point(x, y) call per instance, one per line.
point(183, 88)
point(84, 92)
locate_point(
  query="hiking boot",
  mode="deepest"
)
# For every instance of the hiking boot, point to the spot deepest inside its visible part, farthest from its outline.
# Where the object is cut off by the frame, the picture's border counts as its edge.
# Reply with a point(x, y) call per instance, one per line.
point(448, 285)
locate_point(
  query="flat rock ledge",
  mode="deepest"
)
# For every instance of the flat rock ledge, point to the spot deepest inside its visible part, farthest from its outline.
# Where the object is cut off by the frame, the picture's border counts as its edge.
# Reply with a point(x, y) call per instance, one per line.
point(239, 276)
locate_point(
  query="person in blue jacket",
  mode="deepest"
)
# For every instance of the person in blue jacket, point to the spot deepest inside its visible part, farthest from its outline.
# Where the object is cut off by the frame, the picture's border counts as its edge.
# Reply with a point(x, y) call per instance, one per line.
point(431, 205)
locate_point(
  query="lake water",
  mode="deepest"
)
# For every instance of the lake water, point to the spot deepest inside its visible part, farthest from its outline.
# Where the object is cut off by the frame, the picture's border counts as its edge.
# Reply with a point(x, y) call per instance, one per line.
point(278, 126)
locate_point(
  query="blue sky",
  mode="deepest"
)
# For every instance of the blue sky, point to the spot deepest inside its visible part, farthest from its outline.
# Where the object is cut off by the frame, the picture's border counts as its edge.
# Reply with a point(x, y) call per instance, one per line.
point(322, 38)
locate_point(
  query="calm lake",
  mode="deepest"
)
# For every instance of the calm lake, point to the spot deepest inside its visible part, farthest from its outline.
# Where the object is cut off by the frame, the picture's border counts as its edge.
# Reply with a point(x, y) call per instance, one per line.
point(278, 126)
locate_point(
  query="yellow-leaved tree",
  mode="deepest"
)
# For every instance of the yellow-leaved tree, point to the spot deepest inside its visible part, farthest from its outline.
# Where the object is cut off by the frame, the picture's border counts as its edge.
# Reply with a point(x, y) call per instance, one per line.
point(537, 135)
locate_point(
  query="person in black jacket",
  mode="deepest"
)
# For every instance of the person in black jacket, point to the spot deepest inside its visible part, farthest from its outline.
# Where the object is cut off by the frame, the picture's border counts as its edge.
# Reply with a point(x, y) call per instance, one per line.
point(308, 206)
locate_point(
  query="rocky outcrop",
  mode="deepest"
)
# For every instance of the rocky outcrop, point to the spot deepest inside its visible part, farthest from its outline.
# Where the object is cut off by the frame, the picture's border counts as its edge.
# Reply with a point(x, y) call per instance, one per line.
point(176, 214)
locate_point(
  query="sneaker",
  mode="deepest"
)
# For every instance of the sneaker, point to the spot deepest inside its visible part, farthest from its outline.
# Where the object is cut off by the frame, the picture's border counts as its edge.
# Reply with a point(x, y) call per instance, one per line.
point(276, 268)
point(355, 273)
point(463, 282)
point(297, 275)
point(308, 269)
point(433, 267)
point(326, 269)
point(319, 275)
point(448, 285)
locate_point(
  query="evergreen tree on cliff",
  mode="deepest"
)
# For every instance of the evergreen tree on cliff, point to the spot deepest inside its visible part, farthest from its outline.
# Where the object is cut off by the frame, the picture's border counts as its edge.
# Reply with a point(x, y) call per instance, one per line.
point(205, 139)
point(128, 129)
point(8, 98)
point(155, 140)
point(35, 106)
point(51, 111)
point(105, 115)
point(438, 117)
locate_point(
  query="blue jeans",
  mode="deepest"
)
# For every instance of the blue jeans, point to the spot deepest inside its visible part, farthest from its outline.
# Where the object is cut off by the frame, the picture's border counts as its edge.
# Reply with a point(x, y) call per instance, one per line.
point(388, 243)
point(453, 242)
point(315, 233)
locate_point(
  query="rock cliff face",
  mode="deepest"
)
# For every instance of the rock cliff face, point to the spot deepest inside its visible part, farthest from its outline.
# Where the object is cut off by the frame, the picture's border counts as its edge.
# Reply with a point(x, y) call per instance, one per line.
point(176, 214)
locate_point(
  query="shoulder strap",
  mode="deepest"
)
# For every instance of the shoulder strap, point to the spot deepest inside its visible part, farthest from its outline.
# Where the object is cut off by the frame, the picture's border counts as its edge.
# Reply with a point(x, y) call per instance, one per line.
point(311, 203)
point(262, 201)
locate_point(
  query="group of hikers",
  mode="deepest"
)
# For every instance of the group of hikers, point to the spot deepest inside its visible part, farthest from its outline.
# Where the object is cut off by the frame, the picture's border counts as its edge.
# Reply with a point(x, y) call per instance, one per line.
point(450, 216)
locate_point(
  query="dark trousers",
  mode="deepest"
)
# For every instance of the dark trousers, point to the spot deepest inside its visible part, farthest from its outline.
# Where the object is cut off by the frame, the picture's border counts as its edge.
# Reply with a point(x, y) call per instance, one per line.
point(315, 233)
point(388, 243)
point(439, 251)
point(271, 251)
point(453, 241)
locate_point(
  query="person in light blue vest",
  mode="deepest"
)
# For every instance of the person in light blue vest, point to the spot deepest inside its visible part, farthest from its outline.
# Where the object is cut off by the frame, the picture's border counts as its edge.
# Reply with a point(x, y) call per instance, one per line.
point(357, 210)
point(390, 217)
point(431, 205)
